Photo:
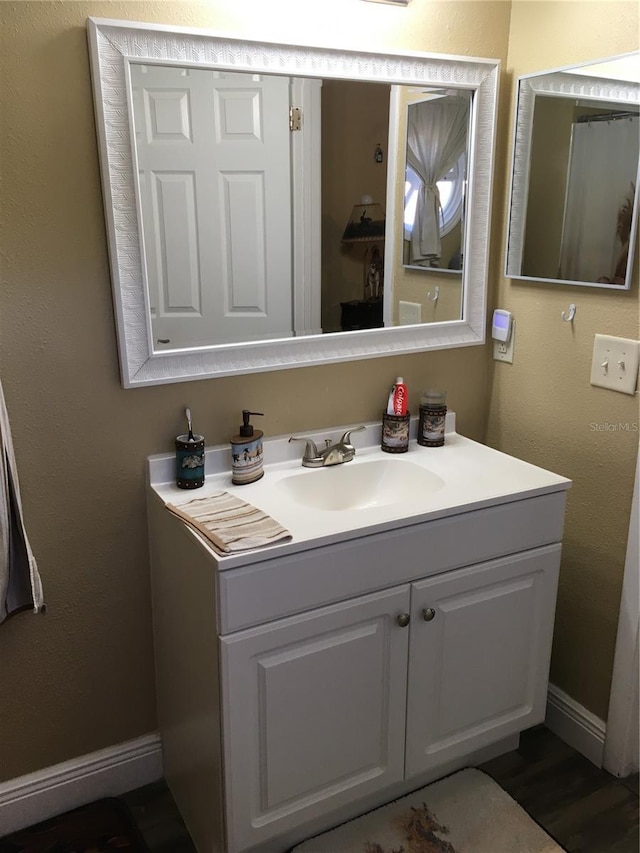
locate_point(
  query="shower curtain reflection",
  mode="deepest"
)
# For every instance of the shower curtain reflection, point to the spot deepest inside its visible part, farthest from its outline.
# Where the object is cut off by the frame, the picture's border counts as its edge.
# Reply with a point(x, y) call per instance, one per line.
point(599, 200)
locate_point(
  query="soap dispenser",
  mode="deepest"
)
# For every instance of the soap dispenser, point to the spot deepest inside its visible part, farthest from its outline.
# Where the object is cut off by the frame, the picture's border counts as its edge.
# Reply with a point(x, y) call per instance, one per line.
point(246, 452)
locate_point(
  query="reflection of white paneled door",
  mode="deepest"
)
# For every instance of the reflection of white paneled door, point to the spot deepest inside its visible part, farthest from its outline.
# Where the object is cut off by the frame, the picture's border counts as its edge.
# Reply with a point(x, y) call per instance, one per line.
point(214, 176)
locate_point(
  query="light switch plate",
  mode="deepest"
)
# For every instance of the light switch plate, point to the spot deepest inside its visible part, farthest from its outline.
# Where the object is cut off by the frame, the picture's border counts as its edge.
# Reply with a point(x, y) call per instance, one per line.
point(615, 363)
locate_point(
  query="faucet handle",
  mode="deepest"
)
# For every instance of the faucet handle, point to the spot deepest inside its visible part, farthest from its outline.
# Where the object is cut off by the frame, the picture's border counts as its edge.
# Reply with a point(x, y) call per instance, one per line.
point(345, 438)
point(310, 451)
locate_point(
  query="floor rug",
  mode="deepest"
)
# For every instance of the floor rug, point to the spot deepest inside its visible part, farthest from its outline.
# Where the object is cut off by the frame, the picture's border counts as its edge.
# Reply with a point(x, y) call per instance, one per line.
point(466, 812)
point(100, 827)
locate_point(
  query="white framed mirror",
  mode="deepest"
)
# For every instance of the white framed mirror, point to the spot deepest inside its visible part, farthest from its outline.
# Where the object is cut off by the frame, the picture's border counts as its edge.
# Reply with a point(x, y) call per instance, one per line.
point(575, 168)
point(121, 53)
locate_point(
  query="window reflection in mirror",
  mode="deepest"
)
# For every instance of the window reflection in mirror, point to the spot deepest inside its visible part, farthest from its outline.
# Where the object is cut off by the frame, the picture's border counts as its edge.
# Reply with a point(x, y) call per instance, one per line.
point(435, 178)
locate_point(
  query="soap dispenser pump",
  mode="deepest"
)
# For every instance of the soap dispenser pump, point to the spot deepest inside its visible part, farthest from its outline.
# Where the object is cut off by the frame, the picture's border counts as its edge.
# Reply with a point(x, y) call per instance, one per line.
point(246, 452)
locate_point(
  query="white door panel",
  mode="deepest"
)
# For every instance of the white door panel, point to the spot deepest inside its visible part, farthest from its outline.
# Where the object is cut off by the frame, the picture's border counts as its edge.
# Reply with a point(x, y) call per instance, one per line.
point(479, 662)
point(174, 217)
point(314, 713)
point(214, 174)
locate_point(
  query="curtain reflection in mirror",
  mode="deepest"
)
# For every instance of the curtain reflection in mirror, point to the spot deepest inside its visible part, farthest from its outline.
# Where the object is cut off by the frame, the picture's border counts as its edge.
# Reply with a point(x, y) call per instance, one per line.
point(436, 142)
point(599, 201)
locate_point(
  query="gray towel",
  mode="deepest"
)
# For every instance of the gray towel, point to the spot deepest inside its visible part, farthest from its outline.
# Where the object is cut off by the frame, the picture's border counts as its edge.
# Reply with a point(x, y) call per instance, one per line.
point(20, 585)
point(229, 523)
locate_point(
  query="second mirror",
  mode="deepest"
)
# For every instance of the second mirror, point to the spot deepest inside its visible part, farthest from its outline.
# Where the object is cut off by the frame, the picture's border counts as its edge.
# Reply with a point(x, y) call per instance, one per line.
point(435, 180)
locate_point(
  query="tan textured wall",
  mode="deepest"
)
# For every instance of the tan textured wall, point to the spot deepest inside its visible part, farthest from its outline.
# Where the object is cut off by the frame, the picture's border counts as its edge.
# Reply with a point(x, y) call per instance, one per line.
point(81, 677)
point(543, 408)
point(550, 146)
point(355, 118)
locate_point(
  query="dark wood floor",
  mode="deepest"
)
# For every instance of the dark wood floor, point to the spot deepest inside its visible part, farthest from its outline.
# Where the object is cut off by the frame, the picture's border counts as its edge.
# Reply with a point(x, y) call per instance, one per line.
point(585, 809)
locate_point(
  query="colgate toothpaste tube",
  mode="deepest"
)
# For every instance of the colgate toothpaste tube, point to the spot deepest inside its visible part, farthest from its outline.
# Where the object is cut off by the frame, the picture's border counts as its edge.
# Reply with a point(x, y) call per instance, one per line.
point(398, 398)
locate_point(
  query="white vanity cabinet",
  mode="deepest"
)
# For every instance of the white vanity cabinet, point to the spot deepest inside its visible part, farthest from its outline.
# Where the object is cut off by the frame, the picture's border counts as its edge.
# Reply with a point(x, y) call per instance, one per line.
point(304, 684)
point(326, 707)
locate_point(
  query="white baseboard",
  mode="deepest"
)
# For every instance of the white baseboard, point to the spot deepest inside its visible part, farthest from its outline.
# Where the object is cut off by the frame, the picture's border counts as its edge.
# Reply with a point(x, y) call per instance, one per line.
point(29, 799)
point(578, 727)
point(118, 769)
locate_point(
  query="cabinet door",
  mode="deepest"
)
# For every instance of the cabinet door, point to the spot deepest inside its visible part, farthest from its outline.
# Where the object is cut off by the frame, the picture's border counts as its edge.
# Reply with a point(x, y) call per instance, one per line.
point(479, 655)
point(313, 713)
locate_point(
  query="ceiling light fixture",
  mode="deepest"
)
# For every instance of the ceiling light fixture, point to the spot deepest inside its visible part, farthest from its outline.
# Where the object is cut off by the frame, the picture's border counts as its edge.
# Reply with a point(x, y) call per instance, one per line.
point(391, 2)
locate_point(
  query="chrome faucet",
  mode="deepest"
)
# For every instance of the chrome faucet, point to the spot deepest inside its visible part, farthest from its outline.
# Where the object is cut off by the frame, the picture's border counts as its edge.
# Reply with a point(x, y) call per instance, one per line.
point(333, 454)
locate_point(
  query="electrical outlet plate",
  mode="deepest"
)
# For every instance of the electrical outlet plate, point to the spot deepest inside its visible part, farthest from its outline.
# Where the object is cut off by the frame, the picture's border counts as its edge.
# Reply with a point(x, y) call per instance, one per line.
point(503, 350)
point(409, 313)
point(615, 363)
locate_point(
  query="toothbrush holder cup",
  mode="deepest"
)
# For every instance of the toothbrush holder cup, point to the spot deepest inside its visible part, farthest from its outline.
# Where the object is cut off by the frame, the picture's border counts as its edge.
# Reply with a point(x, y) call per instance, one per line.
point(395, 433)
point(189, 462)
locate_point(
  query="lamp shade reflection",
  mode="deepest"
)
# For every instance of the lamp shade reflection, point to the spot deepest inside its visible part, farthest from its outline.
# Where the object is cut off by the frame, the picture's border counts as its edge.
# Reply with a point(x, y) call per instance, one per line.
point(366, 223)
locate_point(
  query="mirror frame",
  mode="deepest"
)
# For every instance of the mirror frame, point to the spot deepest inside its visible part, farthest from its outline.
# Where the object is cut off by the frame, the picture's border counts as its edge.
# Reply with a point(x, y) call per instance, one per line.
point(558, 82)
point(114, 44)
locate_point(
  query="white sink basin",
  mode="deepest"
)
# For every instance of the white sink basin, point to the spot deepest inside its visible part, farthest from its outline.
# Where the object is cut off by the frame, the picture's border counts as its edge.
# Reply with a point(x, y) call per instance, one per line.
point(380, 482)
point(376, 491)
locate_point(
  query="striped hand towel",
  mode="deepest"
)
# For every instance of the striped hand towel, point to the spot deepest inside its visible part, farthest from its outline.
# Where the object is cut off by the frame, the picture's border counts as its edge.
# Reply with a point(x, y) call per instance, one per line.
point(20, 584)
point(229, 523)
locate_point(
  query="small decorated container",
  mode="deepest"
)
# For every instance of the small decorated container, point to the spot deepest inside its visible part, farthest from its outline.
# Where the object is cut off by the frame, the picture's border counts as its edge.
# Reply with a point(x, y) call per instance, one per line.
point(433, 413)
point(246, 452)
point(189, 461)
point(395, 433)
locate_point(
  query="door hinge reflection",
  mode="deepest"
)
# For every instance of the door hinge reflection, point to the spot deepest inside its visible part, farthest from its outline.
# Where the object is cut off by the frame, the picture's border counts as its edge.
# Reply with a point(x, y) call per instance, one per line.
point(295, 118)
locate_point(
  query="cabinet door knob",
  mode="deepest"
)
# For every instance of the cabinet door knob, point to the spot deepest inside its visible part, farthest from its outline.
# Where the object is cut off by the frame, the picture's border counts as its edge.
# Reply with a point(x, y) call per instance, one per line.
point(428, 613)
point(403, 620)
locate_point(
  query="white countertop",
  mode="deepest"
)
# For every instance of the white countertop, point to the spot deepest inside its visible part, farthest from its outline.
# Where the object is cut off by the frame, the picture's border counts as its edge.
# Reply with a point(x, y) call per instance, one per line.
point(471, 476)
